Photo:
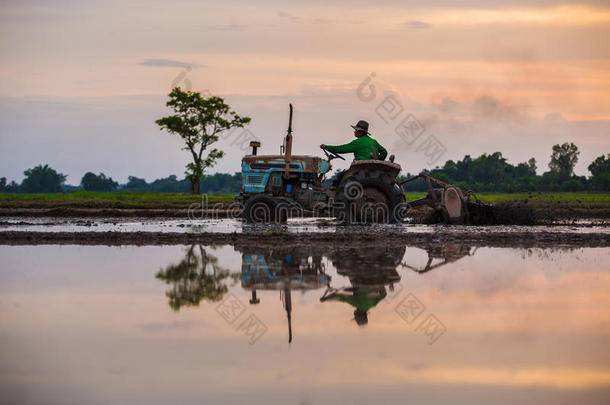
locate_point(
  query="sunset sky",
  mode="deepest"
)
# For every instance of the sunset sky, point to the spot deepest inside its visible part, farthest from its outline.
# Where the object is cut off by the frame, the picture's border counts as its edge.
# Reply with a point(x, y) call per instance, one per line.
point(81, 82)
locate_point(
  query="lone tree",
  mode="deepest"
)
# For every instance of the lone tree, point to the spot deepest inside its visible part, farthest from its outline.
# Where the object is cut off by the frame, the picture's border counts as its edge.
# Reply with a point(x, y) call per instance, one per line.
point(198, 121)
point(563, 159)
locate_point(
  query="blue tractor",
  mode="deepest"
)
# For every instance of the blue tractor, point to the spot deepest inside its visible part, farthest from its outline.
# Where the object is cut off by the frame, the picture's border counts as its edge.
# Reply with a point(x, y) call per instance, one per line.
point(278, 186)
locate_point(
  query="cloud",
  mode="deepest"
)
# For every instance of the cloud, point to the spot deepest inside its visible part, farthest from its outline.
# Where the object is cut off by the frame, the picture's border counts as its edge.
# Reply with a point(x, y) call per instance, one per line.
point(554, 118)
point(490, 108)
point(167, 63)
point(291, 17)
point(484, 108)
point(226, 27)
point(417, 25)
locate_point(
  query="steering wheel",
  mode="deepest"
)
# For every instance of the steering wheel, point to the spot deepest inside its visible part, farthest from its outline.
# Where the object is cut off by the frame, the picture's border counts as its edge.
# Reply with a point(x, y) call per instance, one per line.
point(330, 156)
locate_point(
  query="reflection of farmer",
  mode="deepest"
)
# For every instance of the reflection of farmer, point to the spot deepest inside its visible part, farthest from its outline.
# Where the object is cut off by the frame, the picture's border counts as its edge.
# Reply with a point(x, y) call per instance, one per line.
point(363, 298)
point(369, 272)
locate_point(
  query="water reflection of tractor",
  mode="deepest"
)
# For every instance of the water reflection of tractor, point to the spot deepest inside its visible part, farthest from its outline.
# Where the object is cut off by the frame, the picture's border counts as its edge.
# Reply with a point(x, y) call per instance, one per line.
point(283, 269)
point(369, 271)
point(278, 186)
point(441, 255)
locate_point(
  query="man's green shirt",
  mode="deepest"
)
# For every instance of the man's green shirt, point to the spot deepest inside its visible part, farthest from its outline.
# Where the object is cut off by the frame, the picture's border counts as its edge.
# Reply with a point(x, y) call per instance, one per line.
point(361, 148)
point(363, 299)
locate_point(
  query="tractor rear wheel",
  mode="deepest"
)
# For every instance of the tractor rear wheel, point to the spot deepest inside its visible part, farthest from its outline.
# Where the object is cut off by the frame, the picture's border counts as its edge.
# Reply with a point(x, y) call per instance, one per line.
point(369, 196)
point(263, 209)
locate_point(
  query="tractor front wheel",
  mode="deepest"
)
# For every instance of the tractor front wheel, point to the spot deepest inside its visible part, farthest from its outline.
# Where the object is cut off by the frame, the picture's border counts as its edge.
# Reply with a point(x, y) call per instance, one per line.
point(263, 209)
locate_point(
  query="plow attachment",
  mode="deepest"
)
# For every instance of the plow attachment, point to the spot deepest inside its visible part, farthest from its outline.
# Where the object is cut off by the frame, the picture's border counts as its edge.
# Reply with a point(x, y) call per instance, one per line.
point(450, 204)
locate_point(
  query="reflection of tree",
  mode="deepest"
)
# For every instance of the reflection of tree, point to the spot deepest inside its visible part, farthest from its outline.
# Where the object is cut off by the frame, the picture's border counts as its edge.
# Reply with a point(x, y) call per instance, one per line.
point(194, 278)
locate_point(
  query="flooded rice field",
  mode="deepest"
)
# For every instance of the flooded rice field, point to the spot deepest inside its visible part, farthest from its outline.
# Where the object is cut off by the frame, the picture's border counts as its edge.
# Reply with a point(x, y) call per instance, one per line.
point(227, 225)
point(145, 231)
point(263, 321)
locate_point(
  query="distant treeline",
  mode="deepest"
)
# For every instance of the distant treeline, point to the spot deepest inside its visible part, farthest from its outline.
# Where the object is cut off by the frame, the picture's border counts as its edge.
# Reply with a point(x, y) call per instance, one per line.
point(44, 179)
point(484, 173)
point(212, 183)
point(494, 174)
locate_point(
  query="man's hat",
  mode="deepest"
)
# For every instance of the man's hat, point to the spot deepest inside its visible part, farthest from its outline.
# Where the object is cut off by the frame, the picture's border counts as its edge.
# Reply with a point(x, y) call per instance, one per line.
point(361, 317)
point(361, 126)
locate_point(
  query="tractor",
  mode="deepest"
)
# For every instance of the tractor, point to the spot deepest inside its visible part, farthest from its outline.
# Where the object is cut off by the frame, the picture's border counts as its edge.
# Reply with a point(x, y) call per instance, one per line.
point(276, 187)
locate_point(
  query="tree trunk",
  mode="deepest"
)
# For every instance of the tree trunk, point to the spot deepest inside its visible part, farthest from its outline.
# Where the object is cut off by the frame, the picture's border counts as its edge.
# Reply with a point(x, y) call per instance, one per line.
point(195, 185)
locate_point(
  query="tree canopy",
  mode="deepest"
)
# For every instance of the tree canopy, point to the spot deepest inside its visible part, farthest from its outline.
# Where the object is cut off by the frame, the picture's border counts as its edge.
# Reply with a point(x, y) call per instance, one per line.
point(198, 121)
point(92, 182)
point(563, 159)
point(42, 179)
point(600, 173)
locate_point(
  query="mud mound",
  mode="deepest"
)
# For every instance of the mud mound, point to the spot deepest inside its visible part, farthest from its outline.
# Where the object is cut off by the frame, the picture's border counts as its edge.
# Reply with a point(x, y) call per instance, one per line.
point(511, 213)
point(363, 237)
point(504, 213)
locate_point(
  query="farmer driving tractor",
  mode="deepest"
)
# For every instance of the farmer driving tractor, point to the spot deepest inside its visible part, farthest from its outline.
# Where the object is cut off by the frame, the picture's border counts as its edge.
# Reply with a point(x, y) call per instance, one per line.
point(369, 191)
point(363, 147)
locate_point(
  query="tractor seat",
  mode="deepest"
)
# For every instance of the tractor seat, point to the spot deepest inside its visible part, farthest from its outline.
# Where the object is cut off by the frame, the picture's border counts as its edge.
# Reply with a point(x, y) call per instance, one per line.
point(372, 156)
point(390, 167)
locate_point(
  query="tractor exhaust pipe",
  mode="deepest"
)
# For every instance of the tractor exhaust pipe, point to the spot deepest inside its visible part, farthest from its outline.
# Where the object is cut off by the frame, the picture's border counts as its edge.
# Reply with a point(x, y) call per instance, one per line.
point(288, 150)
point(254, 145)
point(288, 143)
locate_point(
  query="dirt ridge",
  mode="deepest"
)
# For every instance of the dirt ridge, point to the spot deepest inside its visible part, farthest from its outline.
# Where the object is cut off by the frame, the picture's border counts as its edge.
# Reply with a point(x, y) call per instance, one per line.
point(491, 239)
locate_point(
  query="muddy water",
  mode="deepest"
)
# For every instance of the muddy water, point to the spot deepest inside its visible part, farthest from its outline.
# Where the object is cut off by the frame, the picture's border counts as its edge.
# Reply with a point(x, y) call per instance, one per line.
point(300, 225)
point(312, 324)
